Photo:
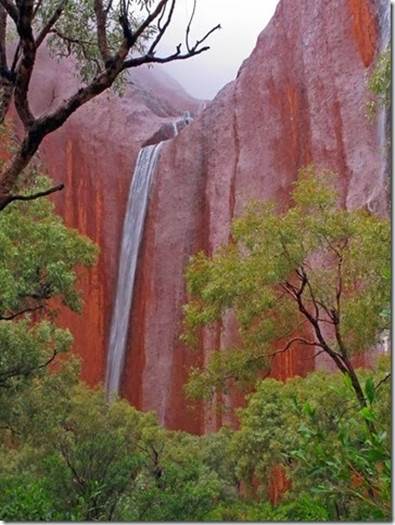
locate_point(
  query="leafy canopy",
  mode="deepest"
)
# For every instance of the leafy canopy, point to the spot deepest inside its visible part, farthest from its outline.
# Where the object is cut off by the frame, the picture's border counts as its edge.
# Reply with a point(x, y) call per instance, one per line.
point(39, 262)
point(292, 272)
point(314, 428)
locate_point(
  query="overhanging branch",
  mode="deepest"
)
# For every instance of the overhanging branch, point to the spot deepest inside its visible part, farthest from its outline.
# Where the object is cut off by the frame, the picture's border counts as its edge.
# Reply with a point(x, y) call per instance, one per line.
point(34, 196)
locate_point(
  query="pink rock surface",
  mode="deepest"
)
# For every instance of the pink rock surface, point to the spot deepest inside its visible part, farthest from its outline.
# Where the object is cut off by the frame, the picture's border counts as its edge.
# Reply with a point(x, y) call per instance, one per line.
point(300, 98)
point(94, 155)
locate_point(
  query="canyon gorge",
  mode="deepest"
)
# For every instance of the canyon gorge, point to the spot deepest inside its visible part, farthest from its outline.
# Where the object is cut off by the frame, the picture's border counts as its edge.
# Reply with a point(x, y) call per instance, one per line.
point(299, 99)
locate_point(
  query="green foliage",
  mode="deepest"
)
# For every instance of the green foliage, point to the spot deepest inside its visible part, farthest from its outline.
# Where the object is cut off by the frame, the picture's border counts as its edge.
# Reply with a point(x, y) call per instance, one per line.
point(99, 461)
point(380, 83)
point(184, 477)
point(314, 428)
point(179, 488)
point(75, 32)
point(39, 254)
point(39, 258)
point(95, 456)
point(25, 497)
point(303, 508)
point(338, 259)
point(81, 458)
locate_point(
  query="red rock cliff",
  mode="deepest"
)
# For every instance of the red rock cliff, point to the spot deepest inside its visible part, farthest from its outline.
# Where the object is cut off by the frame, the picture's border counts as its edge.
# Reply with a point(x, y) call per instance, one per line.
point(299, 98)
point(94, 154)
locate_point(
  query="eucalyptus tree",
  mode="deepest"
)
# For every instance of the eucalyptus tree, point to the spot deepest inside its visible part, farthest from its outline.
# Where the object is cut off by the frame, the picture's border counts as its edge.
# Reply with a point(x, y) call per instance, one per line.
point(107, 37)
point(315, 275)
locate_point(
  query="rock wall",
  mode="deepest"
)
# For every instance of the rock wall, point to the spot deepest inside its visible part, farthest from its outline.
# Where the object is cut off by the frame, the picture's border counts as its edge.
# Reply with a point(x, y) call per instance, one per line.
point(94, 154)
point(299, 98)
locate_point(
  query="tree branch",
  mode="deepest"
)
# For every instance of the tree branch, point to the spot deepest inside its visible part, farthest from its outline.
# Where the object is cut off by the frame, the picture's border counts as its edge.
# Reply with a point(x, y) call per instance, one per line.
point(296, 340)
point(34, 196)
point(11, 9)
point(101, 30)
point(150, 18)
point(51, 22)
point(189, 27)
point(152, 59)
point(25, 68)
point(21, 312)
point(385, 378)
point(162, 29)
point(37, 129)
point(3, 33)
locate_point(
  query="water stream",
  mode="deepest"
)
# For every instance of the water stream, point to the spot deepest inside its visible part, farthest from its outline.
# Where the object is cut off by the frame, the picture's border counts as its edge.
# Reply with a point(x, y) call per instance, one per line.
point(133, 228)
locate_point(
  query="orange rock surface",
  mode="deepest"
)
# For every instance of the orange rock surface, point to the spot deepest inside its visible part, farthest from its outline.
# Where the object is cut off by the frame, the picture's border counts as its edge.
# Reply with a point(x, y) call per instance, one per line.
point(298, 98)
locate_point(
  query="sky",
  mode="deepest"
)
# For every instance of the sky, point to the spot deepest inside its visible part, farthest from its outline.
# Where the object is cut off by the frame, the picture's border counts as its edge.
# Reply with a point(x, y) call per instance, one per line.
point(241, 20)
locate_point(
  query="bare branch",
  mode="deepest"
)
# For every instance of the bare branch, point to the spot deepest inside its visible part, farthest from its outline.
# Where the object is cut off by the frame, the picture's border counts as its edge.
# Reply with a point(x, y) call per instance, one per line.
point(6, 76)
point(296, 340)
point(160, 18)
point(317, 312)
point(150, 18)
point(339, 286)
point(108, 8)
point(37, 7)
point(34, 196)
point(152, 59)
point(199, 42)
point(17, 55)
point(189, 27)
point(3, 33)
point(385, 378)
point(37, 129)
point(22, 370)
point(49, 360)
point(21, 312)
point(162, 30)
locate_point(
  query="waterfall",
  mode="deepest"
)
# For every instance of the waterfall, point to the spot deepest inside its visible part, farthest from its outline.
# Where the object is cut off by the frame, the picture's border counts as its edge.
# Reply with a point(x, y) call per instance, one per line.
point(133, 228)
point(384, 19)
point(187, 117)
point(382, 191)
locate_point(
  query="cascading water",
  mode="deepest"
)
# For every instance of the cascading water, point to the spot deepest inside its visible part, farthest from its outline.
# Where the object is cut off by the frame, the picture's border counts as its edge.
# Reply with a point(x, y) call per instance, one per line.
point(132, 233)
point(133, 227)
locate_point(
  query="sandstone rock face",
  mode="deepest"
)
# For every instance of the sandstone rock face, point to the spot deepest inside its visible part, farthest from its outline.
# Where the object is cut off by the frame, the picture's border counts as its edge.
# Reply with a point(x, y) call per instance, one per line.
point(299, 98)
point(94, 154)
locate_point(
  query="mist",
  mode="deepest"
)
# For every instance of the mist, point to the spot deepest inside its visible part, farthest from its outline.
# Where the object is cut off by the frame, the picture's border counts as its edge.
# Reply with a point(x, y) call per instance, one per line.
point(241, 23)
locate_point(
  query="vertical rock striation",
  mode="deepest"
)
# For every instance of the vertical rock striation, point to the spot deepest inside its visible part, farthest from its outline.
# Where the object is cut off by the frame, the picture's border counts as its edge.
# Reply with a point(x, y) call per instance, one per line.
point(94, 154)
point(300, 98)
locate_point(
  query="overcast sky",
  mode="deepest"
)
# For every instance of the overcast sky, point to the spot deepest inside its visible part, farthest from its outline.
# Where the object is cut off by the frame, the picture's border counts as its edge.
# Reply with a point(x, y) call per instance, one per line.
point(242, 21)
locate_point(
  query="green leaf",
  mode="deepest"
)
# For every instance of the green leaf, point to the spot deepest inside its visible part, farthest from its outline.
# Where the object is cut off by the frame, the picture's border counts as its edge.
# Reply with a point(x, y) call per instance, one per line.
point(370, 390)
point(367, 413)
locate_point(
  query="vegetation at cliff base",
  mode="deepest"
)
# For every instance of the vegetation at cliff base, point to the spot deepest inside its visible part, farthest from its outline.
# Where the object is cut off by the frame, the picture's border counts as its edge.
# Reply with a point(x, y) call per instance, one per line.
point(315, 276)
point(67, 454)
point(312, 279)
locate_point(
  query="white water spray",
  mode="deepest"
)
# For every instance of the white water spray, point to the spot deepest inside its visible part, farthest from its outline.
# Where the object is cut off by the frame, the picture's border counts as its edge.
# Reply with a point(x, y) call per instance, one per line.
point(132, 233)
point(133, 227)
